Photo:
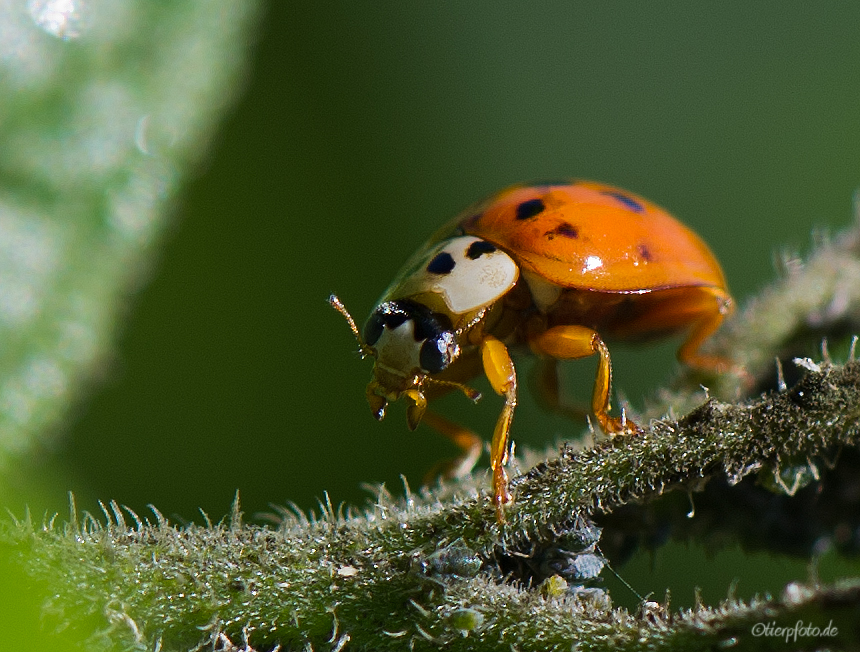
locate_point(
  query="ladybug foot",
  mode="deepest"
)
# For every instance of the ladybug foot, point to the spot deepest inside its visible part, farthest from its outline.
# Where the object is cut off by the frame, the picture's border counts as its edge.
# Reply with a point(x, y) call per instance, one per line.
point(614, 426)
point(501, 495)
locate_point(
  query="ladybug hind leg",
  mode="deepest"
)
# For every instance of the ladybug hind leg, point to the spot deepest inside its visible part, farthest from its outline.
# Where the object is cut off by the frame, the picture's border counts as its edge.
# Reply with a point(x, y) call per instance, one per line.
point(569, 342)
point(466, 440)
point(698, 311)
point(546, 390)
point(711, 306)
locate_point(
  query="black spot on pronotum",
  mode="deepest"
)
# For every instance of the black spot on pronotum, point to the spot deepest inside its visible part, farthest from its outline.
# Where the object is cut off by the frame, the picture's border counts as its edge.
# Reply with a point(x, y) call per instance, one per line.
point(628, 202)
point(479, 248)
point(442, 263)
point(563, 230)
point(530, 208)
point(644, 253)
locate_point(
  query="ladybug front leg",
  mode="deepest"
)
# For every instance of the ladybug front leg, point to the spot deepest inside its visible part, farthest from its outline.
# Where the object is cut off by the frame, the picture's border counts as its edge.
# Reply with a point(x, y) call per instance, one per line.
point(502, 375)
point(568, 342)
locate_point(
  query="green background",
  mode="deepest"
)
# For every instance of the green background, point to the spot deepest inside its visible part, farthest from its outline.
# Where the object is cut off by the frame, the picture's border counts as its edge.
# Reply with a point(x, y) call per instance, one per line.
point(365, 126)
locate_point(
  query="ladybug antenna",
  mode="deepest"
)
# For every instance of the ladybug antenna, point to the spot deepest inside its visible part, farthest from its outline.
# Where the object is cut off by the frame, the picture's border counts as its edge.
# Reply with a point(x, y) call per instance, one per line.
point(364, 348)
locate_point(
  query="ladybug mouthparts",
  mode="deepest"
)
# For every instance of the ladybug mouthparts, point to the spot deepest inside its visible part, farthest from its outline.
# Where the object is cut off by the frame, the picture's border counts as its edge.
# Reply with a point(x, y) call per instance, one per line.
point(378, 396)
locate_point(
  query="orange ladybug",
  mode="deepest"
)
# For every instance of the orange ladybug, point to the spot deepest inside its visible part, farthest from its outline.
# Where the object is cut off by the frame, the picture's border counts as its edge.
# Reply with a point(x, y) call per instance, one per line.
point(555, 268)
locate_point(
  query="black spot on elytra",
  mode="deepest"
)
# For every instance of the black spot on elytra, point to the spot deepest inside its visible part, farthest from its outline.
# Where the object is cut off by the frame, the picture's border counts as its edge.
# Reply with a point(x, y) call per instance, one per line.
point(644, 253)
point(479, 248)
point(563, 230)
point(442, 263)
point(530, 208)
point(628, 202)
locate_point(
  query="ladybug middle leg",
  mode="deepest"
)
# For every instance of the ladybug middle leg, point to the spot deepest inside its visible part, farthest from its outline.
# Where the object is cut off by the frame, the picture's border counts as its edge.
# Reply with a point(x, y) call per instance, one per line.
point(569, 342)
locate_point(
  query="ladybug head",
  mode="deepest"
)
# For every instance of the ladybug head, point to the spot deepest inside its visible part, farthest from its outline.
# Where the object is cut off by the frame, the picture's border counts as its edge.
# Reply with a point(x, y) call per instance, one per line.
point(409, 343)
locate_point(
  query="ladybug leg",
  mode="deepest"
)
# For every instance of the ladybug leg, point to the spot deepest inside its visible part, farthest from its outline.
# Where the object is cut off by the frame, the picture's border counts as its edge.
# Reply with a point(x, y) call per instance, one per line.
point(712, 315)
point(545, 382)
point(699, 311)
point(568, 342)
point(502, 375)
point(689, 351)
point(470, 444)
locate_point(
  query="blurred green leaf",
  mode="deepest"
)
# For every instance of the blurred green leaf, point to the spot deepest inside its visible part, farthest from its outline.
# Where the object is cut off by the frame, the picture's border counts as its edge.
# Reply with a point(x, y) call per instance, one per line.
point(104, 109)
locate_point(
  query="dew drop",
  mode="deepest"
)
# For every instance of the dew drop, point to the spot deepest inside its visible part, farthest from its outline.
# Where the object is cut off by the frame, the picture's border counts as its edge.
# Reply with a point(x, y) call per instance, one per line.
point(153, 138)
point(65, 19)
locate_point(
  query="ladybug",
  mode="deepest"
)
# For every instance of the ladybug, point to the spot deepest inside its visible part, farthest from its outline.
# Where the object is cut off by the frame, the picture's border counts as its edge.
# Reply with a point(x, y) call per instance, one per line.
point(553, 268)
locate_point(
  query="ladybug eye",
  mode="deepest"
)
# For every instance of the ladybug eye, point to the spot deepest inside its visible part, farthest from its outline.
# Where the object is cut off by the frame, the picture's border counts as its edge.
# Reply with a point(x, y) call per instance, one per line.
point(437, 353)
point(390, 314)
point(373, 329)
point(430, 337)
